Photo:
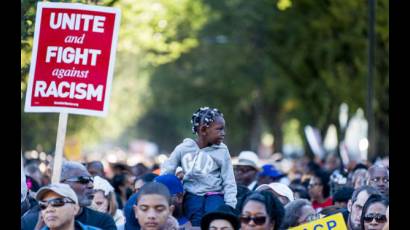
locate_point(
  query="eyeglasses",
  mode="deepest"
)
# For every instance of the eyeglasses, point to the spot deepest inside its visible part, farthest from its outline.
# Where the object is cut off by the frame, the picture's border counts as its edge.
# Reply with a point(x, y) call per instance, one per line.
point(57, 202)
point(258, 220)
point(380, 218)
point(81, 179)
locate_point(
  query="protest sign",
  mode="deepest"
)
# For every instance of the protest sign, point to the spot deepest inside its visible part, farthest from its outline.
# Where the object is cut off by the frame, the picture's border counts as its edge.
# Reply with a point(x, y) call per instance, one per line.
point(333, 222)
point(72, 64)
point(73, 58)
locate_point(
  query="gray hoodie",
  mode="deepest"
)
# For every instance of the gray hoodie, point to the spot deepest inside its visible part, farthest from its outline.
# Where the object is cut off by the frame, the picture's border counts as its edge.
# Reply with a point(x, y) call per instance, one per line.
point(206, 170)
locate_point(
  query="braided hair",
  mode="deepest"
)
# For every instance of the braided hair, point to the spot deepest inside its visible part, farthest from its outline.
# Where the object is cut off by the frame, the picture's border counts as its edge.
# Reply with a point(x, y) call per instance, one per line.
point(204, 116)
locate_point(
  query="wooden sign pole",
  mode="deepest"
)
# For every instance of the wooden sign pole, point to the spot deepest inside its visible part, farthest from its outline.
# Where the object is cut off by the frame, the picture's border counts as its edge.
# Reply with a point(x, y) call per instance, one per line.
point(58, 156)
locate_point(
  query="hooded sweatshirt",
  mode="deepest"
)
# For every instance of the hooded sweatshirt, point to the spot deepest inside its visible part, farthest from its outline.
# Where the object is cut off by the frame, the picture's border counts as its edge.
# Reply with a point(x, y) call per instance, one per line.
point(206, 170)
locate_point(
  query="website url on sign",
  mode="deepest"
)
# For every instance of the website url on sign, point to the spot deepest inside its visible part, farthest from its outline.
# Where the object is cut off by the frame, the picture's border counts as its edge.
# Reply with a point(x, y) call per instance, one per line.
point(65, 103)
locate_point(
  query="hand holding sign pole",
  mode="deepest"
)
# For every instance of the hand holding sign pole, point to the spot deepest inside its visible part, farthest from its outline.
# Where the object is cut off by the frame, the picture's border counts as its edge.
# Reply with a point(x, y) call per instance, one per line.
point(72, 63)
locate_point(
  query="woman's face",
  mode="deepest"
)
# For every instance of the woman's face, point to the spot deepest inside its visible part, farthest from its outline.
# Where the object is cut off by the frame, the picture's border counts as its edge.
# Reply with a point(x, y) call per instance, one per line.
point(375, 210)
point(252, 212)
point(220, 224)
point(138, 184)
point(100, 203)
point(306, 211)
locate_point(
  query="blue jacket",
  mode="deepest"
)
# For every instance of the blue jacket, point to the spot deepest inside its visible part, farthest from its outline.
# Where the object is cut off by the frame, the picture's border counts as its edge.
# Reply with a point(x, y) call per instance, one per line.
point(131, 223)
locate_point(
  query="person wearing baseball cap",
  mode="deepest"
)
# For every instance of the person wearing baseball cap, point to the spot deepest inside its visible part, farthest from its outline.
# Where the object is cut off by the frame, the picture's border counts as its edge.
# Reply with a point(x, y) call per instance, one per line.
point(246, 169)
point(281, 191)
point(59, 206)
point(269, 174)
point(75, 175)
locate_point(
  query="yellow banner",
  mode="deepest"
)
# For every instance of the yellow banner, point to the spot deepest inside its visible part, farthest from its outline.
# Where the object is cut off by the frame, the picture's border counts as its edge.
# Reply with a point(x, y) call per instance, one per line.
point(333, 222)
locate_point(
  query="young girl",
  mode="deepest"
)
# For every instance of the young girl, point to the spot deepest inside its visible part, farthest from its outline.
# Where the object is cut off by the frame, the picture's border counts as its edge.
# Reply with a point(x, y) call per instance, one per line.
point(209, 179)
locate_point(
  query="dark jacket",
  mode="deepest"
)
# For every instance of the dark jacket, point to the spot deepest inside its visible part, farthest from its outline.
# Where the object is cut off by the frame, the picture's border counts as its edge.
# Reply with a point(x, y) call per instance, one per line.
point(78, 226)
point(24, 206)
point(87, 216)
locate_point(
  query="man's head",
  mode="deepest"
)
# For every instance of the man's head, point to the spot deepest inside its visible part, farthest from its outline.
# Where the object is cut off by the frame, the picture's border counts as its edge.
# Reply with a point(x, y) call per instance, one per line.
point(34, 172)
point(378, 177)
point(96, 168)
point(153, 206)
point(139, 182)
point(59, 205)
point(246, 169)
point(341, 196)
point(356, 203)
point(80, 180)
point(359, 178)
point(332, 162)
point(269, 174)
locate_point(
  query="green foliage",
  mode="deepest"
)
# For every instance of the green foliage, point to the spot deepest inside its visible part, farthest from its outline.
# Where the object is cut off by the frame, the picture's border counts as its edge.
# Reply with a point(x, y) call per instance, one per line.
point(301, 62)
point(160, 30)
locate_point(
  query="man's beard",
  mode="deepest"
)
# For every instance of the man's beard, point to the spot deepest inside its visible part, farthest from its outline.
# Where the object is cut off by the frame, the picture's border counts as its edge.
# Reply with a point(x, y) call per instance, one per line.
point(84, 202)
point(352, 226)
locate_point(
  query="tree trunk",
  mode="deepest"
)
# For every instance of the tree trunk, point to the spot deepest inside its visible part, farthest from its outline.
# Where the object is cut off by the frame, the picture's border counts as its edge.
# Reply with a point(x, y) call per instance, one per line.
point(275, 123)
point(278, 135)
point(256, 127)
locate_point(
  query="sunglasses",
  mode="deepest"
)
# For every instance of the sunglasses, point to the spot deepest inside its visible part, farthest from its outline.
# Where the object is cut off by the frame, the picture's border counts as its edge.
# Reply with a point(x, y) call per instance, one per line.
point(258, 220)
point(380, 218)
point(81, 179)
point(57, 202)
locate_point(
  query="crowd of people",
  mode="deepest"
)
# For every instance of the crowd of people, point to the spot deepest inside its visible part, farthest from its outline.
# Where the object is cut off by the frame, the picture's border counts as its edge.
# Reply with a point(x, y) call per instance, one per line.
point(200, 187)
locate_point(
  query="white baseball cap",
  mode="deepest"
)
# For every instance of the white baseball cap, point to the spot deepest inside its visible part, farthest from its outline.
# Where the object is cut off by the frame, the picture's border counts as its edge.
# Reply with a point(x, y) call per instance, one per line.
point(248, 158)
point(279, 188)
point(63, 190)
